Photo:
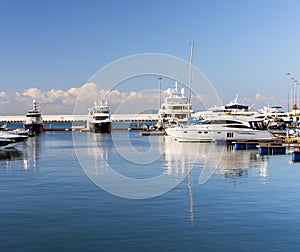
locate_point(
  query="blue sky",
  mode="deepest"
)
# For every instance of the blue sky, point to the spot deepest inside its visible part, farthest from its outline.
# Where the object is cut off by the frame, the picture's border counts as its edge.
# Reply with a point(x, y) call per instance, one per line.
point(243, 47)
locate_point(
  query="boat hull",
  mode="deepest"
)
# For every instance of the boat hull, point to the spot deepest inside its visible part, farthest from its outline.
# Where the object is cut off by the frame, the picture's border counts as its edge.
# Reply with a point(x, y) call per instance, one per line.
point(9, 146)
point(4, 143)
point(100, 127)
point(211, 135)
point(36, 128)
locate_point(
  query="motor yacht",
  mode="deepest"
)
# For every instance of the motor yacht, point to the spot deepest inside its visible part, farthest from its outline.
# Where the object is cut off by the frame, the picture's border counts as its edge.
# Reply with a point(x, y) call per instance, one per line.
point(222, 128)
point(34, 123)
point(99, 118)
point(175, 109)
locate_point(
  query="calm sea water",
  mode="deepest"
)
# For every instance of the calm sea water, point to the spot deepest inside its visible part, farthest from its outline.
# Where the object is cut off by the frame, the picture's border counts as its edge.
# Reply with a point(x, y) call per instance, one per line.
point(49, 202)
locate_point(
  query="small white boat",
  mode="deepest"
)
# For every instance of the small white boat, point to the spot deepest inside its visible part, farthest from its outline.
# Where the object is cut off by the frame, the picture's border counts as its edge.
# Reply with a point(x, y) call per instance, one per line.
point(99, 118)
point(224, 127)
point(4, 142)
point(13, 139)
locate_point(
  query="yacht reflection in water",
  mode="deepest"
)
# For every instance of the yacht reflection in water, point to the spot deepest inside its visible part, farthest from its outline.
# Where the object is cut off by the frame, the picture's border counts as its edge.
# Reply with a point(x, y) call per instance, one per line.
point(98, 147)
point(211, 159)
point(32, 153)
point(11, 154)
point(219, 159)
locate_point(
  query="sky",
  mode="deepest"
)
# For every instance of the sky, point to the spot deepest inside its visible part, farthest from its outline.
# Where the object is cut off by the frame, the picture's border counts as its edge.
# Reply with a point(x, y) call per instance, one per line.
point(51, 49)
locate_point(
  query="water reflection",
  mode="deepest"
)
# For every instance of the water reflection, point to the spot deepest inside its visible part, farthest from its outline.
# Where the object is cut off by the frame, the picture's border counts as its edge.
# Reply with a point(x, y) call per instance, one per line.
point(98, 147)
point(10, 154)
point(211, 159)
point(32, 152)
point(174, 159)
point(218, 158)
point(109, 161)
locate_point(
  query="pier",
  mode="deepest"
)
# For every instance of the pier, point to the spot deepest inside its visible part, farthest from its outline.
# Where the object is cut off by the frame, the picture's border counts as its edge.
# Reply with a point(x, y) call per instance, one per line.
point(83, 118)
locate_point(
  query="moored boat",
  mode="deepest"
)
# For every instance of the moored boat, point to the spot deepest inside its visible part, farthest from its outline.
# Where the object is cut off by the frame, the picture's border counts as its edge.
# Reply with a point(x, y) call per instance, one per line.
point(175, 109)
point(233, 108)
point(34, 123)
point(4, 142)
point(224, 127)
point(99, 118)
point(13, 139)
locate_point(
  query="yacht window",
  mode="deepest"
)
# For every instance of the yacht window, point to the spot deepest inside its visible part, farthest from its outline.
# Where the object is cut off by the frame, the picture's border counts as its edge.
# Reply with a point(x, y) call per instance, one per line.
point(36, 115)
point(238, 126)
point(100, 117)
point(205, 132)
point(180, 116)
point(229, 134)
point(233, 122)
point(258, 125)
point(225, 122)
point(178, 107)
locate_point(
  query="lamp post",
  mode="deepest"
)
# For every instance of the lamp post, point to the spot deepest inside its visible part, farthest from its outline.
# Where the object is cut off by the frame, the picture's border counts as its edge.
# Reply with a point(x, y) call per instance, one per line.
point(288, 75)
point(296, 98)
point(159, 78)
point(293, 92)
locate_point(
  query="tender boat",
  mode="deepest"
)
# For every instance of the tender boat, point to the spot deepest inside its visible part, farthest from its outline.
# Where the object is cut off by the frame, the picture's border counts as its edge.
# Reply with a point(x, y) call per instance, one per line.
point(12, 137)
point(4, 142)
point(99, 118)
point(223, 127)
point(175, 109)
point(34, 123)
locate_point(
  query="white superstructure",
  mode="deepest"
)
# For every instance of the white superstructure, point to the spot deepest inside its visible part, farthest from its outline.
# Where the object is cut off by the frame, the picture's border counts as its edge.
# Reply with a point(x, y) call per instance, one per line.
point(176, 107)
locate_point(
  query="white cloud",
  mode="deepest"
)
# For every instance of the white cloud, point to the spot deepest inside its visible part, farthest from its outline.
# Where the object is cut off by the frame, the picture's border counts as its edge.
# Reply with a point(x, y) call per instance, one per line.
point(33, 93)
point(3, 97)
point(58, 101)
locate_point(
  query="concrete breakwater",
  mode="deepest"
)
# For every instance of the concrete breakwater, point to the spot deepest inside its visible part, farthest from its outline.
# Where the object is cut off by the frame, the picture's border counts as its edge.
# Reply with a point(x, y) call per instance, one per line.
point(83, 118)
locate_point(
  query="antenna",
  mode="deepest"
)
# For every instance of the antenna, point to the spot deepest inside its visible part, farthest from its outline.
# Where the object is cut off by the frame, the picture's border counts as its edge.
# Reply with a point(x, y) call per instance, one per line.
point(34, 104)
point(182, 92)
point(236, 98)
point(190, 80)
point(159, 78)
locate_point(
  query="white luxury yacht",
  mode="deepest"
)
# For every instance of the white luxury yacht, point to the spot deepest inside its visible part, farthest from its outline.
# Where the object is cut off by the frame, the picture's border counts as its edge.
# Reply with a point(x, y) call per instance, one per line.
point(34, 122)
point(99, 120)
point(175, 109)
point(234, 107)
point(222, 128)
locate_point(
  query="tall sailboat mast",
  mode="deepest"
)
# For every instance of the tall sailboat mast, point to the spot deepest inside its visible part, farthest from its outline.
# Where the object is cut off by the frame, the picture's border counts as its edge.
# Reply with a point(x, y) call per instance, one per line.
point(190, 81)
